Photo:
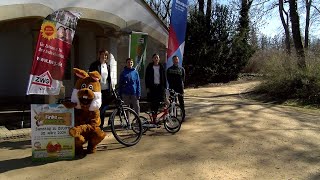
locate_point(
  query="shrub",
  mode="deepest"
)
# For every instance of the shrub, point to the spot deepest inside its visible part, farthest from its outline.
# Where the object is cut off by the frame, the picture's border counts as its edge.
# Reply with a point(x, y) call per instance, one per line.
point(284, 80)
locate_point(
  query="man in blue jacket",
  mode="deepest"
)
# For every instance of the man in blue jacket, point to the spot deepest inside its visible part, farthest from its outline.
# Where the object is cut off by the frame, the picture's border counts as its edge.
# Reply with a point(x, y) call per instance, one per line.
point(129, 86)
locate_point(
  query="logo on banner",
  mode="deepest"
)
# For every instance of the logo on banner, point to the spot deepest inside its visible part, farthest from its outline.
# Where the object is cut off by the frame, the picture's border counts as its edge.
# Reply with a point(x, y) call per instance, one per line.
point(44, 79)
point(48, 30)
point(141, 40)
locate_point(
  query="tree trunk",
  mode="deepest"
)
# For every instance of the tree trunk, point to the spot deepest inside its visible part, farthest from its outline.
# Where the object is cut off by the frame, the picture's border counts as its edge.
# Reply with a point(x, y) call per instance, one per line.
point(306, 30)
point(285, 25)
point(296, 35)
point(208, 13)
point(201, 6)
point(244, 19)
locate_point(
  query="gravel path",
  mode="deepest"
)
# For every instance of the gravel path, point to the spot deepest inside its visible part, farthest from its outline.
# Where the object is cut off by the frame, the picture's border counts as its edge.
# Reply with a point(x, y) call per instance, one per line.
point(225, 136)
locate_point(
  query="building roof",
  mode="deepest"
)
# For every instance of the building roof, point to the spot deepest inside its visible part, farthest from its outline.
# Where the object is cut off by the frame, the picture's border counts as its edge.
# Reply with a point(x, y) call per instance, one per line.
point(122, 15)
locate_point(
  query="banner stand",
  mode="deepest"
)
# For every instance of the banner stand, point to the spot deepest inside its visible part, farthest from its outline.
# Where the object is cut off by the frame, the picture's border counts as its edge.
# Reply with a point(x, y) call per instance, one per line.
point(52, 99)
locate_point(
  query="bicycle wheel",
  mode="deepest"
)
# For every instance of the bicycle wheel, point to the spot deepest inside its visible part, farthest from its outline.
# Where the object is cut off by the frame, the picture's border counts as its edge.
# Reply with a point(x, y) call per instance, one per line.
point(178, 112)
point(126, 126)
point(145, 123)
point(172, 124)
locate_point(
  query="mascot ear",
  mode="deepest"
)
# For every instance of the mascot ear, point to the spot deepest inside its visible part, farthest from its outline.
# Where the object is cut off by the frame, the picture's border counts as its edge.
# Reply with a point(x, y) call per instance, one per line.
point(95, 75)
point(80, 73)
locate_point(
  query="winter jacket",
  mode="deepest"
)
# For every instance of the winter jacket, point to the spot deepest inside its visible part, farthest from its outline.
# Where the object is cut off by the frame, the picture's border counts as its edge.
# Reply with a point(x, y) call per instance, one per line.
point(129, 83)
point(149, 78)
point(96, 66)
point(176, 77)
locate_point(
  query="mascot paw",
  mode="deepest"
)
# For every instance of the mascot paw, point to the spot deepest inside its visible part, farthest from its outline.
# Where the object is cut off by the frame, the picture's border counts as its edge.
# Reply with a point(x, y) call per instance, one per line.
point(74, 132)
point(81, 139)
point(79, 152)
point(69, 104)
point(91, 150)
point(98, 136)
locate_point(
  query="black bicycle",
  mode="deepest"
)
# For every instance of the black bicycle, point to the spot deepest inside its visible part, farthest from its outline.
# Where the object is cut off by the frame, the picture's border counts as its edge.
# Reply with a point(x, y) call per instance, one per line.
point(125, 123)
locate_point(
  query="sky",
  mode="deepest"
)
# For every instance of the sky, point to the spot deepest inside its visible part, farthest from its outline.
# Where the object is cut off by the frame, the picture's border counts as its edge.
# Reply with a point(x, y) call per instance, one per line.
point(273, 26)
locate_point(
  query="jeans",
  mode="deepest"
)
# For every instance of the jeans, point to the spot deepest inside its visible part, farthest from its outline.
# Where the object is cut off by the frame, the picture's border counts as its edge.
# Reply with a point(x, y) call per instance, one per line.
point(102, 114)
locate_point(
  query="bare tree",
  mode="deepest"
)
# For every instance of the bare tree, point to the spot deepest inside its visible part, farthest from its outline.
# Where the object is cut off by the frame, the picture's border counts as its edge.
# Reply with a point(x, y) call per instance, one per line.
point(208, 12)
point(285, 24)
point(201, 6)
point(306, 29)
point(296, 34)
point(162, 8)
point(244, 20)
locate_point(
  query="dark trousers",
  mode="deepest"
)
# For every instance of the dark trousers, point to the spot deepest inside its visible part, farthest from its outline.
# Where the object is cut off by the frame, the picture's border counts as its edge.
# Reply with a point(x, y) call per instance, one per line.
point(104, 106)
point(155, 96)
point(181, 102)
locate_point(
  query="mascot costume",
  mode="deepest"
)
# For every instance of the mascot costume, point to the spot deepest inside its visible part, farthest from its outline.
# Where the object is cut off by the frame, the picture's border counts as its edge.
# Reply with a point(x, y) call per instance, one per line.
point(86, 99)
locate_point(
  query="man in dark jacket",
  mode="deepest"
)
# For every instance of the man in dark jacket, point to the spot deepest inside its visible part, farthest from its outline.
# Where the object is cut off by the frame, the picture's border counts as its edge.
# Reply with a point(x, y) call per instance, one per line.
point(155, 83)
point(101, 65)
point(176, 77)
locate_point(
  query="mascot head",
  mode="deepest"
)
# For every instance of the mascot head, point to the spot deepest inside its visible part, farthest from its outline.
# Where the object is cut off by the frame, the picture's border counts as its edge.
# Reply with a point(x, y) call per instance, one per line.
point(87, 91)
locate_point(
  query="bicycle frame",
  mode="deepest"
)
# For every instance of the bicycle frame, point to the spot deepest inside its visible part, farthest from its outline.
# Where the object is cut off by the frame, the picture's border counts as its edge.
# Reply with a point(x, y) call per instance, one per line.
point(172, 100)
point(171, 123)
point(120, 104)
point(122, 114)
point(164, 112)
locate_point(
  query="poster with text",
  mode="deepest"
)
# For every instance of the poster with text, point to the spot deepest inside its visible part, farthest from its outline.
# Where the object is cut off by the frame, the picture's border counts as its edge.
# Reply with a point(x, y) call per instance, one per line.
point(51, 53)
point(50, 139)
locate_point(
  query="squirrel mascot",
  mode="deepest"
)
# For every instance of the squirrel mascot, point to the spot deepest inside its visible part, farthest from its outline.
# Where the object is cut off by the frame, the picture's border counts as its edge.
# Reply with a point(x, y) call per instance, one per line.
point(86, 99)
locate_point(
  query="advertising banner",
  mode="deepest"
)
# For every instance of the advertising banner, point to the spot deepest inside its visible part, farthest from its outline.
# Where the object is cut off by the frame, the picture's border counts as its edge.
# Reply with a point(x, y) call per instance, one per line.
point(52, 51)
point(50, 139)
point(177, 31)
point(137, 51)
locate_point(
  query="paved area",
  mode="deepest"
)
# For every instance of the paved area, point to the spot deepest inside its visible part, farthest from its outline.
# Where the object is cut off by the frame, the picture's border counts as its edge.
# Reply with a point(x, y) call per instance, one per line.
point(18, 134)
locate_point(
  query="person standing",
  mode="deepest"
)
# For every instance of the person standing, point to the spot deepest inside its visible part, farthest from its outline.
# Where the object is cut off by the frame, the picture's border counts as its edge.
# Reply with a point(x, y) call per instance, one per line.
point(176, 77)
point(101, 65)
point(129, 86)
point(155, 84)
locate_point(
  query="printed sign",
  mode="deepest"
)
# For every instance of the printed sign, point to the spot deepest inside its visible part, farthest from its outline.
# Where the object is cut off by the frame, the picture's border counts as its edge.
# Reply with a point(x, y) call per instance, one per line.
point(52, 51)
point(50, 139)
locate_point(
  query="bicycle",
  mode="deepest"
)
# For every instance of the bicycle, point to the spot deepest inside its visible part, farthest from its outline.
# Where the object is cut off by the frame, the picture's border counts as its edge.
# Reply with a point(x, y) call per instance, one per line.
point(171, 123)
point(125, 123)
point(175, 108)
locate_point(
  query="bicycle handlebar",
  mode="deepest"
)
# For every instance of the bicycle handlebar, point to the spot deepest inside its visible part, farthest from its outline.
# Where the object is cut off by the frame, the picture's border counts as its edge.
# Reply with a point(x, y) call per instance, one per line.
point(114, 91)
point(171, 91)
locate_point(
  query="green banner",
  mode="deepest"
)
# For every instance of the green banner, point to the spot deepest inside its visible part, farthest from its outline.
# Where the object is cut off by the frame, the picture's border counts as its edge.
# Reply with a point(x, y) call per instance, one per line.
point(138, 51)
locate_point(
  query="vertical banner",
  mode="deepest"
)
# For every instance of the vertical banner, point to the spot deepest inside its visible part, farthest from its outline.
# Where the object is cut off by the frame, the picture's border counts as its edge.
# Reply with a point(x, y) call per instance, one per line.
point(52, 51)
point(177, 31)
point(138, 49)
point(50, 139)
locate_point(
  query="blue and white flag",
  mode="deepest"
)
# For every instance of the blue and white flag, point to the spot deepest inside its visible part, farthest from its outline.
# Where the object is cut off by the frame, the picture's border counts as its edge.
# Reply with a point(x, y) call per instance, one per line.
point(177, 31)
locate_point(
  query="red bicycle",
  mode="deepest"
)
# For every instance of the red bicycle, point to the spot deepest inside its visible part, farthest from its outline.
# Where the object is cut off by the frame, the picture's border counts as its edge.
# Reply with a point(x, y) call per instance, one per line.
point(171, 123)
